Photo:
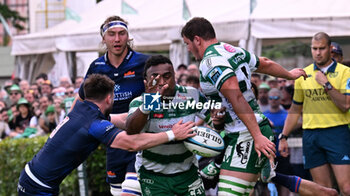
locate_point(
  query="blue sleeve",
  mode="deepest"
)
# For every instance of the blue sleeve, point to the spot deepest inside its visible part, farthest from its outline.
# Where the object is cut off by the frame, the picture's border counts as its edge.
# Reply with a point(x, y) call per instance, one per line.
point(104, 131)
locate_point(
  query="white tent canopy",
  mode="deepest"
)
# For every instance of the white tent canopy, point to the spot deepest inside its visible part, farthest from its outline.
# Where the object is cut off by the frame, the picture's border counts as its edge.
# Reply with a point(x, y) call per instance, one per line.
point(284, 19)
point(156, 24)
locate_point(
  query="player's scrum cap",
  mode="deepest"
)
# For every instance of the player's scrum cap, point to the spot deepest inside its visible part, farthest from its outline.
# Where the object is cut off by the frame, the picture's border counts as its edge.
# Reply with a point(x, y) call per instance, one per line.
point(336, 48)
point(113, 24)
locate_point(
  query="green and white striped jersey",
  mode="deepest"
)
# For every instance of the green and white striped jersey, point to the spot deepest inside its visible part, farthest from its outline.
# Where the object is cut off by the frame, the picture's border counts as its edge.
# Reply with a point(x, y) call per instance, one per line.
point(220, 62)
point(172, 157)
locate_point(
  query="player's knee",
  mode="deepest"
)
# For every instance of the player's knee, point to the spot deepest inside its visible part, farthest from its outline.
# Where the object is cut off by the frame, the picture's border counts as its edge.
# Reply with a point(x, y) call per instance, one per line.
point(116, 189)
point(131, 185)
point(345, 189)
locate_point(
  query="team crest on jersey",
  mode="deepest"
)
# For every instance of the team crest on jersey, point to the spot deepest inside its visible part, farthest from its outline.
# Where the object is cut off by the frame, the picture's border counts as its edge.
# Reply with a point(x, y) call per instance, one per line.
point(333, 75)
point(348, 84)
point(129, 74)
point(229, 48)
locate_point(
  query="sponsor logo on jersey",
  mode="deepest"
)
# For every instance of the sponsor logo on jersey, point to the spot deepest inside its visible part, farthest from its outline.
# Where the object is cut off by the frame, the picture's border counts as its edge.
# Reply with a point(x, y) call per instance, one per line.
point(317, 94)
point(229, 48)
point(129, 74)
point(214, 74)
point(111, 174)
point(158, 115)
point(116, 88)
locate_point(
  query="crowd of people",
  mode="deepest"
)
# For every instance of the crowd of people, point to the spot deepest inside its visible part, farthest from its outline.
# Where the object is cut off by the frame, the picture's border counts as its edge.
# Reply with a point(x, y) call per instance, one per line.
point(263, 105)
point(29, 110)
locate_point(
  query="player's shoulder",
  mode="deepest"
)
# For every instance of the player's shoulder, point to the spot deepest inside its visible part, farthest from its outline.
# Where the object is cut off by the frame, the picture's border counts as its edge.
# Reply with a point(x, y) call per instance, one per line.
point(138, 56)
point(100, 125)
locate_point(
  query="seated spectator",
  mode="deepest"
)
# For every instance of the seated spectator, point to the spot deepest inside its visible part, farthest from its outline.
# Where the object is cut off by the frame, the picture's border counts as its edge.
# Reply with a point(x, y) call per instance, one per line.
point(193, 70)
point(263, 102)
point(181, 69)
point(36, 90)
point(29, 96)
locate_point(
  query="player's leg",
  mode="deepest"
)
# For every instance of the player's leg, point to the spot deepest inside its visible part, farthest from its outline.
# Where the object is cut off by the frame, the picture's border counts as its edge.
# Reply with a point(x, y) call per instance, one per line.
point(118, 164)
point(338, 154)
point(309, 188)
point(187, 183)
point(152, 184)
point(241, 164)
point(131, 185)
point(315, 157)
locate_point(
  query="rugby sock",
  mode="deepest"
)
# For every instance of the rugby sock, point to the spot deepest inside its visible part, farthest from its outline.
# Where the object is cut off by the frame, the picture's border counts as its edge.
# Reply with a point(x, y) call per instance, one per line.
point(291, 182)
point(229, 185)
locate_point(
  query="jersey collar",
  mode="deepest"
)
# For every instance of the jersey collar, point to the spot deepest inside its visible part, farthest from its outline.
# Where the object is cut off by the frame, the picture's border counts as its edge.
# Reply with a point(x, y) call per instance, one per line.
point(95, 107)
point(330, 69)
point(126, 58)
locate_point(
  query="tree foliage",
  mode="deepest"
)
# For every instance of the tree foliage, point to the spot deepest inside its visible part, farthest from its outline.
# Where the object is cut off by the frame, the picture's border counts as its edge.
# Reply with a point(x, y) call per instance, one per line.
point(287, 49)
point(12, 16)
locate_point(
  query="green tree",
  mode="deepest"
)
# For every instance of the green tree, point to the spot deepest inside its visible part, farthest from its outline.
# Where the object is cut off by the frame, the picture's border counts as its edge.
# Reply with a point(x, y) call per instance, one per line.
point(13, 18)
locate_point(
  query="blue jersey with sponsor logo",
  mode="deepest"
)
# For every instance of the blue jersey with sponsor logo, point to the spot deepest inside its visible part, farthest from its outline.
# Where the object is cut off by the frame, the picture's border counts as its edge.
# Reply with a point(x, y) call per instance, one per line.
point(128, 78)
point(71, 143)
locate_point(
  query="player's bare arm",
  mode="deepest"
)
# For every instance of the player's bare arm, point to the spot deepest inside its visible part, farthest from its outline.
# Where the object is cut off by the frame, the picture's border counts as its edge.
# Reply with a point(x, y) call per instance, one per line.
point(230, 89)
point(270, 67)
point(179, 131)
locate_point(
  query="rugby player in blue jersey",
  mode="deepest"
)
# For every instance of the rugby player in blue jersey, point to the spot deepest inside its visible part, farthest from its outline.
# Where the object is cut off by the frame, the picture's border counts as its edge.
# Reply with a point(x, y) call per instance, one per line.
point(125, 67)
point(80, 133)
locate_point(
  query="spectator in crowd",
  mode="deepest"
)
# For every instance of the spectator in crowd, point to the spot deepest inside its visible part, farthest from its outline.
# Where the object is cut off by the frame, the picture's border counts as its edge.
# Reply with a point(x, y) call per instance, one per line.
point(181, 69)
point(69, 99)
point(58, 92)
point(50, 123)
point(277, 116)
point(193, 81)
point(4, 127)
point(323, 100)
point(46, 88)
point(59, 109)
point(263, 96)
point(193, 70)
point(24, 85)
point(78, 81)
point(281, 83)
point(39, 80)
point(65, 82)
point(29, 96)
point(256, 79)
point(15, 94)
point(182, 79)
point(13, 112)
point(287, 96)
point(36, 90)
point(23, 118)
point(44, 101)
point(2, 104)
point(272, 82)
point(336, 52)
